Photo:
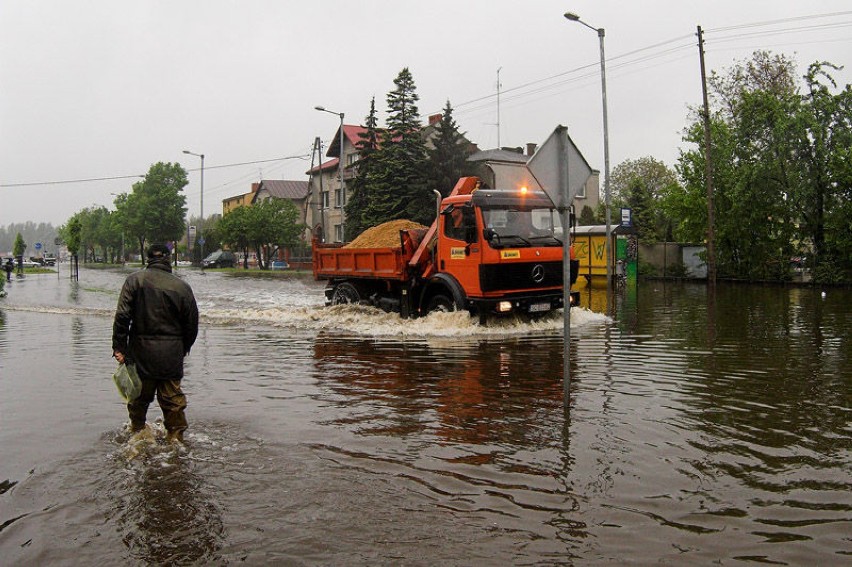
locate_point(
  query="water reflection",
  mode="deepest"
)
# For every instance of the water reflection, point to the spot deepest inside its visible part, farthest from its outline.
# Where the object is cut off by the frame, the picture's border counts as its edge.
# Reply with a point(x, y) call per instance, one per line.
point(495, 397)
point(167, 515)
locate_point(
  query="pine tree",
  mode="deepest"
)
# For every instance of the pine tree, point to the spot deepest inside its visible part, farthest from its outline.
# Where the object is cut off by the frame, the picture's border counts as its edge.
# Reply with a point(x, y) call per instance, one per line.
point(359, 193)
point(400, 189)
point(448, 159)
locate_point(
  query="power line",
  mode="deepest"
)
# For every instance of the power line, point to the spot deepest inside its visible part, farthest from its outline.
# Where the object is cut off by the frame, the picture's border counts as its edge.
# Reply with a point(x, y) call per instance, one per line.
point(481, 102)
point(781, 21)
point(142, 176)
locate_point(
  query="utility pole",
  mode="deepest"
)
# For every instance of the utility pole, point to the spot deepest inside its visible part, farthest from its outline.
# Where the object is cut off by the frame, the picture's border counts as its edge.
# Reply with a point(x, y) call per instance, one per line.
point(708, 170)
point(318, 149)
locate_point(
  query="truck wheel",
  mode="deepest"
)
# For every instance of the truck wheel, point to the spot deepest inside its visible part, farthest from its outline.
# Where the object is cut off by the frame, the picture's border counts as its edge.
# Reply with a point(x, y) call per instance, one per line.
point(345, 293)
point(440, 303)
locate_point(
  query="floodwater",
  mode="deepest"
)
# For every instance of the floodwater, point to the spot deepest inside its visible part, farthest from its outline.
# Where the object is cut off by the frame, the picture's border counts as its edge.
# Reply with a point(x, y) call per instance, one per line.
point(697, 432)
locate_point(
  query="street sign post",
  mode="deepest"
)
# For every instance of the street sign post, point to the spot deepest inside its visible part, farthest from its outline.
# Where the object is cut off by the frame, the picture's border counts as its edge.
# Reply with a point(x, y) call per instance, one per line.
point(562, 172)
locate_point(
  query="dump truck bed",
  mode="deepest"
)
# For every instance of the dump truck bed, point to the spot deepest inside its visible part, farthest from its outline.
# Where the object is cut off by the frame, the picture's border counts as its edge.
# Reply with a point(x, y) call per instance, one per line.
point(332, 262)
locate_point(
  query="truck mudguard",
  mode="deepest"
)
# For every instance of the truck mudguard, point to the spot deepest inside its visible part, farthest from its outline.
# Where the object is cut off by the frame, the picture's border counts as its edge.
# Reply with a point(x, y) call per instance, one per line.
point(443, 283)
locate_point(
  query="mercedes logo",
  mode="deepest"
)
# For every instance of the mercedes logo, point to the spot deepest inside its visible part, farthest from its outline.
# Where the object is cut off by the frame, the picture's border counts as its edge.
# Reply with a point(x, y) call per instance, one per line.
point(538, 273)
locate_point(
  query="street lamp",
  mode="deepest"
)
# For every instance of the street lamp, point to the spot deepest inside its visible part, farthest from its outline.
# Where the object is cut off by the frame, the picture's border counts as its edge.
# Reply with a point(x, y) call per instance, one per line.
point(122, 232)
point(339, 171)
point(201, 221)
point(575, 18)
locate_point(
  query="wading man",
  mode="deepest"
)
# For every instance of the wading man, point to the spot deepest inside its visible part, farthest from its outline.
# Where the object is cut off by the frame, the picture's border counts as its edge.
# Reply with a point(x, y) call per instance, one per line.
point(156, 323)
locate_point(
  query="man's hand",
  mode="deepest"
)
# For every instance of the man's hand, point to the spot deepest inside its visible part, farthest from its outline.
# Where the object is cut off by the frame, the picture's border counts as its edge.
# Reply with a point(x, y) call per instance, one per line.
point(118, 356)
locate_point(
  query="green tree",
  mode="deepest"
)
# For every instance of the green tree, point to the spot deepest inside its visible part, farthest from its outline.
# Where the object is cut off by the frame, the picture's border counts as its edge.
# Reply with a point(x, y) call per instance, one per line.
point(359, 198)
point(233, 231)
point(398, 188)
point(781, 171)
point(20, 246)
point(95, 232)
point(823, 199)
point(641, 185)
point(266, 226)
point(276, 225)
point(71, 233)
point(587, 216)
point(448, 158)
point(155, 209)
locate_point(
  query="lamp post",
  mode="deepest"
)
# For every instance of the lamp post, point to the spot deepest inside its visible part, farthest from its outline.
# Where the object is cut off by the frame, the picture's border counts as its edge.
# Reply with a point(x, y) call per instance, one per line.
point(600, 31)
point(201, 221)
point(122, 233)
point(339, 171)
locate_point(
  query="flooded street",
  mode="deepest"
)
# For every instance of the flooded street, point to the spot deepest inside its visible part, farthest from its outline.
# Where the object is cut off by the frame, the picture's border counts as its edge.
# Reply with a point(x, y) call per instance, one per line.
point(698, 432)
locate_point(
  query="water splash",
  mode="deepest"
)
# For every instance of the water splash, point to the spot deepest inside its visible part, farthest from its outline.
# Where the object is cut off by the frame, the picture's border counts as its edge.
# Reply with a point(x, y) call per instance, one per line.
point(371, 322)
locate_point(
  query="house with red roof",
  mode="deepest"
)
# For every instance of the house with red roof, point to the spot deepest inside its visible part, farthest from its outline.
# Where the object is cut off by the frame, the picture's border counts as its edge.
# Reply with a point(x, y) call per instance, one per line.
point(328, 193)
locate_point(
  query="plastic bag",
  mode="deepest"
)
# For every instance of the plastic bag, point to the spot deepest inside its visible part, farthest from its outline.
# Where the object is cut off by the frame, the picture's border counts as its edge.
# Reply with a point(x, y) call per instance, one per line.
point(127, 381)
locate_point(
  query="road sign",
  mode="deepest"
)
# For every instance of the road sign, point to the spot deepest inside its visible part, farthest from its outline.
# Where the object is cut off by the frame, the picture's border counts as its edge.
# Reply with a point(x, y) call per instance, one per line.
point(38, 245)
point(560, 168)
point(201, 241)
point(562, 172)
point(190, 236)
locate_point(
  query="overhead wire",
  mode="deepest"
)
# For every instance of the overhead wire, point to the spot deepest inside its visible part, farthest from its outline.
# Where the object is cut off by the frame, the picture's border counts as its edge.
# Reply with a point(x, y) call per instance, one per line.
point(142, 175)
point(543, 87)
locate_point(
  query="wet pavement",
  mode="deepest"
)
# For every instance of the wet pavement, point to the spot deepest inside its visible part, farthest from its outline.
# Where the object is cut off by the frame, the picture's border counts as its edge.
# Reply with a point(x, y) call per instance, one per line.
point(697, 431)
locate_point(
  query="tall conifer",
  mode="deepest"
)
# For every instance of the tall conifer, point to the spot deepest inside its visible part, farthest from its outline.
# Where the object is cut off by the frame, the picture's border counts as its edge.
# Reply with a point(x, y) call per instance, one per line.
point(448, 158)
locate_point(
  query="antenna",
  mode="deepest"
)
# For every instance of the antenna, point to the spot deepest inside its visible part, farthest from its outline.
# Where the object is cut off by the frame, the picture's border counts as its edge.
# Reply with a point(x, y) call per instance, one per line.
point(498, 106)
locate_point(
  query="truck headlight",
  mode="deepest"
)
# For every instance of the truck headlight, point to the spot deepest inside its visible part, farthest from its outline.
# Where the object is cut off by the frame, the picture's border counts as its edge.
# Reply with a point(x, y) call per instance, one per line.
point(504, 306)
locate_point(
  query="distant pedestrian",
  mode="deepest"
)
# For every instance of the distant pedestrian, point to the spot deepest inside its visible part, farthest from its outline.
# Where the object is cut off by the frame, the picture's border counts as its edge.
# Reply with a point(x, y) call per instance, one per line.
point(9, 266)
point(156, 323)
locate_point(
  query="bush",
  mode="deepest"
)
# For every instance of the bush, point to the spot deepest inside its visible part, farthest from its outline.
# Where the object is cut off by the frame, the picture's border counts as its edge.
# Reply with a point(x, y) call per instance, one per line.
point(647, 269)
point(677, 271)
point(827, 273)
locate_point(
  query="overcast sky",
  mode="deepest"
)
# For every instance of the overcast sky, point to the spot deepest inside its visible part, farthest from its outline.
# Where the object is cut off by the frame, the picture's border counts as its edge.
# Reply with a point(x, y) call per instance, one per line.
point(105, 88)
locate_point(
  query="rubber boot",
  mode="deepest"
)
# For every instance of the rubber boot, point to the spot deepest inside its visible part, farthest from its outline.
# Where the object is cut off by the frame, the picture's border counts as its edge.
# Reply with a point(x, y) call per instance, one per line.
point(175, 438)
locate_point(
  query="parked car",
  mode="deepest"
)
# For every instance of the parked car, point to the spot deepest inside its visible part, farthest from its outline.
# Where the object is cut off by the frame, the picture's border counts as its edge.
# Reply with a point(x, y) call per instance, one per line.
point(220, 259)
point(280, 265)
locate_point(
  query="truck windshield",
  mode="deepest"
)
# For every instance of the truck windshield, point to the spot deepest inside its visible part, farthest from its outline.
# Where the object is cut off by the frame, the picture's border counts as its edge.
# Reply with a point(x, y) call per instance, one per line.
point(512, 227)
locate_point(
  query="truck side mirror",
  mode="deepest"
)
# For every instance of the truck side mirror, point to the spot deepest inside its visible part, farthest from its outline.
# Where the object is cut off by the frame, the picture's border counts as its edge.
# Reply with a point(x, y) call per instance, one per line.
point(488, 234)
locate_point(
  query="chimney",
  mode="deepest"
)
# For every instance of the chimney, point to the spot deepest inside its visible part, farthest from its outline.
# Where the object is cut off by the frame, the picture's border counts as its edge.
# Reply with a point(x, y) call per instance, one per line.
point(434, 119)
point(531, 148)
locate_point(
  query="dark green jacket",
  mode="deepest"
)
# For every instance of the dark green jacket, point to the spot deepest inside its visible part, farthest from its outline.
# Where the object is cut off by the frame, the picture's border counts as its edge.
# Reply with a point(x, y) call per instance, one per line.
point(156, 321)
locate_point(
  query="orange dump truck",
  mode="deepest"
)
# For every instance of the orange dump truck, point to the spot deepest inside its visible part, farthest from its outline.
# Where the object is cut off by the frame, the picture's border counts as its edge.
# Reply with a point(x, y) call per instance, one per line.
point(489, 251)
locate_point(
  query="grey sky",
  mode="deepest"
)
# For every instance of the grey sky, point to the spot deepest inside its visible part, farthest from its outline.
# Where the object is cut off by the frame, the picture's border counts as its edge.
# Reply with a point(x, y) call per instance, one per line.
point(104, 89)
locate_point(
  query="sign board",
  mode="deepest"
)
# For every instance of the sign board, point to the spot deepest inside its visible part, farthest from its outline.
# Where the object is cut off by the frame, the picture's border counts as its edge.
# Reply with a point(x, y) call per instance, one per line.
point(38, 245)
point(560, 168)
point(190, 236)
point(626, 217)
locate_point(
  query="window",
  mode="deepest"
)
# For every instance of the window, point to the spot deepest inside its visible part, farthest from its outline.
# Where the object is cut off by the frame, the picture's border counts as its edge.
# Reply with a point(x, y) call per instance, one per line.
point(581, 194)
point(324, 200)
point(460, 224)
point(338, 198)
point(338, 233)
point(351, 159)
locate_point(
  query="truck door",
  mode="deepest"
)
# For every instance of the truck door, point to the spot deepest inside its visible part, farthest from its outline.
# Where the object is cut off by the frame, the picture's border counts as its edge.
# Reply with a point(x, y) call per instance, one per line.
point(458, 246)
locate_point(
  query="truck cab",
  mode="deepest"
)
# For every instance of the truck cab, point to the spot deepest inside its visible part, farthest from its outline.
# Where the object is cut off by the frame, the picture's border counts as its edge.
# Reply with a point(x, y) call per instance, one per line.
point(500, 251)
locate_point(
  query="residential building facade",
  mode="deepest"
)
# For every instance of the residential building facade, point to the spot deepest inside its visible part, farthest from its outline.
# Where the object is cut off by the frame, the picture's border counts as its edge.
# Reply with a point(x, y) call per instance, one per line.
point(327, 193)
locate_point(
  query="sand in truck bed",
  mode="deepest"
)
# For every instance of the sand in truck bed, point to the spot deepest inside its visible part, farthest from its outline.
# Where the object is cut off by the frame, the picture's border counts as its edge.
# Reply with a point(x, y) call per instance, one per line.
point(385, 235)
